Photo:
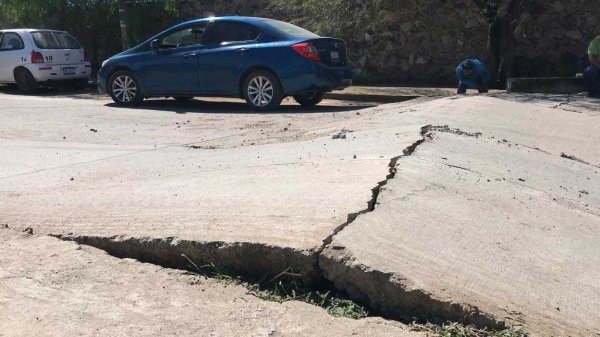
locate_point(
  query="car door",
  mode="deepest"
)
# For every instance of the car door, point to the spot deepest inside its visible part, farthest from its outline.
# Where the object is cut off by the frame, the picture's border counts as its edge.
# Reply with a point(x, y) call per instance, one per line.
point(11, 55)
point(226, 55)
point(173, 68)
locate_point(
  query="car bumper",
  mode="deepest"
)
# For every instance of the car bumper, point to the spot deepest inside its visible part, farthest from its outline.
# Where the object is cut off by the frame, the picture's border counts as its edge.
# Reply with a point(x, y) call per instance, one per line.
point(318, 77)
point(102, 80)
point(53, 72)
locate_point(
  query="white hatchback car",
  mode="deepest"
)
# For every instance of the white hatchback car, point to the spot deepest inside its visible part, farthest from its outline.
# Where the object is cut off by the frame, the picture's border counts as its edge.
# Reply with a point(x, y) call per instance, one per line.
point(29, 57)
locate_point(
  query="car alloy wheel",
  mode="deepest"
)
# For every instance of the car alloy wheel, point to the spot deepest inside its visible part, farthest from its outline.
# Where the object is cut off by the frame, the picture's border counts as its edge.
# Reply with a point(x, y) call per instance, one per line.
point(124, 88)
point(260, 91)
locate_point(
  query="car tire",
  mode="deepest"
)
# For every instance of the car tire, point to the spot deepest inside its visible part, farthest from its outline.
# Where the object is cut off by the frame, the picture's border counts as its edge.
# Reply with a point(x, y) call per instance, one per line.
point(262, 91)
point(80, 84)
point(310, 99)
point(25, 81)
point(124, 88)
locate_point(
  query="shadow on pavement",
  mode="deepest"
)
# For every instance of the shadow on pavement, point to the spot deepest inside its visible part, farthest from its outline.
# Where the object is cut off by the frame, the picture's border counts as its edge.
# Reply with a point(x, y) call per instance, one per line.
point(59, 90)
point(197, 105)
point(575, 100)
point(228, 106)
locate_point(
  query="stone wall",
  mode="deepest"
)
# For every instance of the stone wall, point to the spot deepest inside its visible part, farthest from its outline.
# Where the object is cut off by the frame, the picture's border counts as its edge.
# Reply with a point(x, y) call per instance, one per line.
point(544, 38)
point(421, 41)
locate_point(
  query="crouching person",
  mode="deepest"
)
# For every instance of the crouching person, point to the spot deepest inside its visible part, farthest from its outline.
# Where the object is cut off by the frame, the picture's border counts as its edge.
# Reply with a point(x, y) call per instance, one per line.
point(472, 74)
point(592, 72)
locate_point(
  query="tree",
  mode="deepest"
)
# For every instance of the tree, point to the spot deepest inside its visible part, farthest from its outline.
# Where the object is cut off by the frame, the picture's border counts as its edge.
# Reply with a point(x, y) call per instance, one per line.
point(94, 23)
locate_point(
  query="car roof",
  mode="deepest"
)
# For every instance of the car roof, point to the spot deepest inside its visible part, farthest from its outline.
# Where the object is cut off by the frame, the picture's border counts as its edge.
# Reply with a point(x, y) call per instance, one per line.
point(246, 19)
point(29, 30)
point(231, 18)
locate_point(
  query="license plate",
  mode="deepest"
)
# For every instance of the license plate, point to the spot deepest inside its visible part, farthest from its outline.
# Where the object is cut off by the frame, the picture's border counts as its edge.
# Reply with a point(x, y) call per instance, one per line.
point(69, 71)
point(335, 56)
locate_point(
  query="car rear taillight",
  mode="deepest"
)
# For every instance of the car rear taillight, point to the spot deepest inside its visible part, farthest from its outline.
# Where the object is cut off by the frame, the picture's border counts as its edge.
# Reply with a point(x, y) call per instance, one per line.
point(37, 57)
point(86, 56)
point(307, 50)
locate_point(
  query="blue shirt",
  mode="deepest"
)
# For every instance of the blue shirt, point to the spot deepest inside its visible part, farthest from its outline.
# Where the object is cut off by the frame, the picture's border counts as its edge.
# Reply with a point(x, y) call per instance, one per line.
point(470, 80)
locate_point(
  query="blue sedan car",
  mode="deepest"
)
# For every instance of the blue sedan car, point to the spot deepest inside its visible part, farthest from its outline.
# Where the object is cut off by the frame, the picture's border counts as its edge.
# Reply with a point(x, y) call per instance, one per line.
point(260, 60)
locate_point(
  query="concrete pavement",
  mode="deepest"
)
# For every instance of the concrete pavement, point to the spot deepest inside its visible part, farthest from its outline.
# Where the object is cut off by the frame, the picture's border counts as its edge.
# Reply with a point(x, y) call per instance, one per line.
point(220, 183)
point(257, 193)
point(485, 222)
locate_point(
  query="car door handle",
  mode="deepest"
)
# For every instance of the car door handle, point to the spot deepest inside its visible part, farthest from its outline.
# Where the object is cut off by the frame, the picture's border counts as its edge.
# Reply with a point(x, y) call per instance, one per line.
point(189, 55)
point(241, 51)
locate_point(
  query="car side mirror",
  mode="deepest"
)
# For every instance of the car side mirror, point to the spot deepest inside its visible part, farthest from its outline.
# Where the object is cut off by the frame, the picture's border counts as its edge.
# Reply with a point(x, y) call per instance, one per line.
point(154, 45)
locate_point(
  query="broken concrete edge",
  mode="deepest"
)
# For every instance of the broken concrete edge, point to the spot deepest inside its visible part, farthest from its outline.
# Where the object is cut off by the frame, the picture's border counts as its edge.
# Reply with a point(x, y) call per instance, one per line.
point(383, 293)
point(389, 295)
point(254, 261)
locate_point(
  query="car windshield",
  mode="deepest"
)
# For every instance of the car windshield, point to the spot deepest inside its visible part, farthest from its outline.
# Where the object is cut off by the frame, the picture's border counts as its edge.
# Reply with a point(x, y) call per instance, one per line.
point(54, 40)
point(290, 29)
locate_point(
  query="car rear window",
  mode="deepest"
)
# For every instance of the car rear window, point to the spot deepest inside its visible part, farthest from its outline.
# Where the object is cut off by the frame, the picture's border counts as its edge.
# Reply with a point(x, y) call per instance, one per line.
point(54, 40)
point(290, 29)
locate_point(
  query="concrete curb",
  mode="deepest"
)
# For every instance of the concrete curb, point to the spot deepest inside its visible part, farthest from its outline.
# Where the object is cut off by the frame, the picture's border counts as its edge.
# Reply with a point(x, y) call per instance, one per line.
point(548, 85)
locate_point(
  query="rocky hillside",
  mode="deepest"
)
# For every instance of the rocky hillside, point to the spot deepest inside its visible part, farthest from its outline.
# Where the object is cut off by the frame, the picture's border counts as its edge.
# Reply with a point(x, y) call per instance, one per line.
point(421, 41)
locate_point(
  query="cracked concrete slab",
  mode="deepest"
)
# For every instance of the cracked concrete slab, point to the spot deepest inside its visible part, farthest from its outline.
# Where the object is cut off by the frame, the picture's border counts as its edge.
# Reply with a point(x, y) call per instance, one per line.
point(480, 230)
point(557, 125)
point(273, 186)
point(264, 192)
point(50, 287)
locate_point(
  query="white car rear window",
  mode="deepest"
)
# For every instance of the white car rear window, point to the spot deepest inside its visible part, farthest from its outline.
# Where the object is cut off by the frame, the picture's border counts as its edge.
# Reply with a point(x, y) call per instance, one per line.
point(54, 40)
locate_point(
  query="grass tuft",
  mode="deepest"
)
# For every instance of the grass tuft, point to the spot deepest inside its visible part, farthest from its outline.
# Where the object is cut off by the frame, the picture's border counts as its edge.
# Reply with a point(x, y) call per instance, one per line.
point(453, 329)
point(284, 287)
point(287, 286)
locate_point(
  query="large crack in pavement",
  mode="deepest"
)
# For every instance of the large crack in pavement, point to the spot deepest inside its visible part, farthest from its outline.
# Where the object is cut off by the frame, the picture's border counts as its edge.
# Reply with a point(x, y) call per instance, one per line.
point(371, 204)
point(388, 294)
point(249, 259)
point(260, 261)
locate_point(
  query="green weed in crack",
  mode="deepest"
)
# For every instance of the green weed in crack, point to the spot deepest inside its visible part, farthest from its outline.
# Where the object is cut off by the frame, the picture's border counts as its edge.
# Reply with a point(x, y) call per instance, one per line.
point(210, 270)
point(452, 329)
point(284, 287)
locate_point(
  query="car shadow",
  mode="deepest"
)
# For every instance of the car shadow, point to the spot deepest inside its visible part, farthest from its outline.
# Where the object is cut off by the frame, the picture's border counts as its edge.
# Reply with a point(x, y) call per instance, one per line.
point(228, 107)
point(58, 90)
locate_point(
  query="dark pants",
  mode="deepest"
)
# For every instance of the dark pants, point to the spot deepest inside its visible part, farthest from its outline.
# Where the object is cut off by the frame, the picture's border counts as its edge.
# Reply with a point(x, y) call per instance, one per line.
point(592, 80)
point(462, 88)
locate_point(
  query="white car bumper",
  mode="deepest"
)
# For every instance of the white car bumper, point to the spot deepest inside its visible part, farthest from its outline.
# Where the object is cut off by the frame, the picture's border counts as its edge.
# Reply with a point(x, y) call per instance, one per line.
point(57, 72)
